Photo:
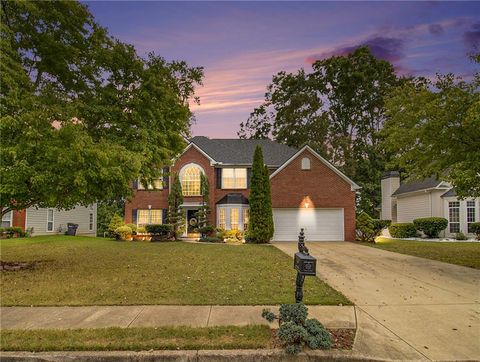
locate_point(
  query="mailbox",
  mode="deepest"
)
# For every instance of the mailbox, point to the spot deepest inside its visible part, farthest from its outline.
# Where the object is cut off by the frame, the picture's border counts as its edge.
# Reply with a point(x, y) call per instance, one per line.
point(305, 264)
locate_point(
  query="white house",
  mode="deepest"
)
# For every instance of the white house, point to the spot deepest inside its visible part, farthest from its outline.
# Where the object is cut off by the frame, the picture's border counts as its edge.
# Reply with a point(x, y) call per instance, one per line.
point(404, 202)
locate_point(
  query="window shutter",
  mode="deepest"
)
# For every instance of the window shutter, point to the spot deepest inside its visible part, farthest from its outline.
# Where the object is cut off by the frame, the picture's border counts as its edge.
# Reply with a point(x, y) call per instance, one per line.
point(134, 216)
point(135, 184)
point(165, 177)
point(218, 172)
point(249, 177)
point(164, 216)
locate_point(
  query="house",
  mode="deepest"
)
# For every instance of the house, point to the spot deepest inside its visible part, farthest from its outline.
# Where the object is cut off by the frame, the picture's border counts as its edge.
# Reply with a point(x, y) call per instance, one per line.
point(307, 191)
point(404, 202)
point(50, 221)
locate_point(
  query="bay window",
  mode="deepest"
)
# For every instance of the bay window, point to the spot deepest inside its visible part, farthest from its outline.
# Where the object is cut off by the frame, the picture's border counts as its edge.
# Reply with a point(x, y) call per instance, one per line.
point(232, 217)
point(234, 178)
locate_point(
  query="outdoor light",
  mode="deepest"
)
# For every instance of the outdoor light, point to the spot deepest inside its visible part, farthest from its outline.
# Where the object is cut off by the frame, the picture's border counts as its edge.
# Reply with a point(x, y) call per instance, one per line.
point(149, 207)
point(306, 205)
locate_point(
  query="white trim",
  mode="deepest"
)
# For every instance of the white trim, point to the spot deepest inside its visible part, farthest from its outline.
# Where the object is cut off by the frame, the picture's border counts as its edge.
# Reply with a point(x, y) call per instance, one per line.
point(328, 164)
point(11, 218)
point(53, 221)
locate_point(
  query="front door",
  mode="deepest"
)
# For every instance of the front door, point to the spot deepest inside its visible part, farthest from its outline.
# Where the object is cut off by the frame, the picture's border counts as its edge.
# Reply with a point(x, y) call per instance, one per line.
point(192, 221)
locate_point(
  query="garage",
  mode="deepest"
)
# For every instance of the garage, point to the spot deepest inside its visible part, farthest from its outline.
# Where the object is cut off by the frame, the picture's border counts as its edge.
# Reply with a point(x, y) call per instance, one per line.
point(319, 224)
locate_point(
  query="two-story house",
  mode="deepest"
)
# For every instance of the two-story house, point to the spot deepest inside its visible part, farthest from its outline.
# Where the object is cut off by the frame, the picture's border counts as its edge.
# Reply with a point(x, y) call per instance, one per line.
point(307, 191)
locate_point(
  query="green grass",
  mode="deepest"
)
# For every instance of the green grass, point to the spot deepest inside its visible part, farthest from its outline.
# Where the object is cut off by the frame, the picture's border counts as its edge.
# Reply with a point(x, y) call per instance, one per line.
point(464, 253)
point(136, 339)
point(97, 271)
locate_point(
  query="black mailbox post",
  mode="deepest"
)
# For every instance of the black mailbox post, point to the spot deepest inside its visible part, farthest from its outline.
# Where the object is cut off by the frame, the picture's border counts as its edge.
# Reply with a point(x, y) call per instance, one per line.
point(304, 264)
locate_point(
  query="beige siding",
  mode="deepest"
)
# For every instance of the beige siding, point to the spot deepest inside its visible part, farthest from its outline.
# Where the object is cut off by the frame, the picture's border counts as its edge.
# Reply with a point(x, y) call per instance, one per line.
point(37, 218)
point(413, 206)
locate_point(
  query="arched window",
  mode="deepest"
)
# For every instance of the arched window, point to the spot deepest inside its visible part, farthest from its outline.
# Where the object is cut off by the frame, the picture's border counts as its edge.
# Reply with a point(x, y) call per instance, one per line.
point(305, 163)
point(190, 179)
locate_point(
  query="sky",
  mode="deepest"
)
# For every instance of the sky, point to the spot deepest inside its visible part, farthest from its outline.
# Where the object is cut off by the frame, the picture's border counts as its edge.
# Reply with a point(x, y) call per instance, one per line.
point(242, 44)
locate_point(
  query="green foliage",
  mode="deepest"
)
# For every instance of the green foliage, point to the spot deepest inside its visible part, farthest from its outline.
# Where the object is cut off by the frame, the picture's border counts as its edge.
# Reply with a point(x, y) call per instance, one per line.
point(13, 232)
point(141, 230)
point(81, 113)
point(433, 130)
point(475, 228)
point(402, 230)
point(367, 229)
point(211, 239)
point(176, 215)
point(203, 213)
point(105, 212)
point(296, 330)
point(431, 226)
point(114, 224)
point(160, 231)
point(123, 232)
point(206, 230)
point(260, 226)
point(338, 109)
point(460, 236)
point(233, 235)
point(133, 227)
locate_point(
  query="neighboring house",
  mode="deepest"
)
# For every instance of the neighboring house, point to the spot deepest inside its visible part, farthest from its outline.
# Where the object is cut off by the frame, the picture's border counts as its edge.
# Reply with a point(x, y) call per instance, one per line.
point(48, 221)
point(307, 191)
point(405, 202)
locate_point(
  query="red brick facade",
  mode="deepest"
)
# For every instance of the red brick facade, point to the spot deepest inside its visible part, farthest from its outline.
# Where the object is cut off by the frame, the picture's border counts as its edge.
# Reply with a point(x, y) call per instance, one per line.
point(324, 187)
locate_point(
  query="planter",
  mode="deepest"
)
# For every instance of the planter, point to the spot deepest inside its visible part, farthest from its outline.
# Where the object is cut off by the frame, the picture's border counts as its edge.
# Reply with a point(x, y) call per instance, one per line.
point(138, 237)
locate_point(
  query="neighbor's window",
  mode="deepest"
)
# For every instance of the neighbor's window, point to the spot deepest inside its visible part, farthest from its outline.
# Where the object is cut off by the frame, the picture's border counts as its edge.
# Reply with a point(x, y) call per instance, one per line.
point(7, 220)
point(221, 218)
point(470, 215)
point(305, 163)
point(49, 219)
point(454, 216)
point(90, 222)
point(190, 180)
point(246, 217)
point(234, 219)
point(234, 178)
point(146, 216)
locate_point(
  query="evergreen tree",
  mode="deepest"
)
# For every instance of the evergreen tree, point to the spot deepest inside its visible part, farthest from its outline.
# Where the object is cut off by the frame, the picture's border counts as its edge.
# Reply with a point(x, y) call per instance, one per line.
point(268, 202)
point(204, 212)
point(175, 199)
point(259, 228)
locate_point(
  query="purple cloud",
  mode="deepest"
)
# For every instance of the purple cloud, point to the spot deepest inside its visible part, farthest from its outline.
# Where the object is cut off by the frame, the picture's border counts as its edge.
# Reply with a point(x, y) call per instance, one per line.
point(471, 38)
point(435, 29)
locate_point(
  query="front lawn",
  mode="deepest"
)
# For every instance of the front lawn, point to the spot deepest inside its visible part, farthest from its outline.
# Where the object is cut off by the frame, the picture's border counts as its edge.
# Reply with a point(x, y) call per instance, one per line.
point(97, 271)
point(463, 253)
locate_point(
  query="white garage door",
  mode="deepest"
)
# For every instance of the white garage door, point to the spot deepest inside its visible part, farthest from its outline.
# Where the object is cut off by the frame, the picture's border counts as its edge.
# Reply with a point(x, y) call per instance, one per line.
point(319, 224)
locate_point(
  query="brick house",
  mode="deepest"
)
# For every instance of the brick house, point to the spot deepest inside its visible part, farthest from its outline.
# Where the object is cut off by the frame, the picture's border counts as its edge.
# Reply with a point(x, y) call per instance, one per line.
point(307, 191)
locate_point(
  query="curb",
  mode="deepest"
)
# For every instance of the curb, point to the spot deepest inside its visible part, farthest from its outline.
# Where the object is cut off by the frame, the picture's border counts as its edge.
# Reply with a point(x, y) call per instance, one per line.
point(260, 355)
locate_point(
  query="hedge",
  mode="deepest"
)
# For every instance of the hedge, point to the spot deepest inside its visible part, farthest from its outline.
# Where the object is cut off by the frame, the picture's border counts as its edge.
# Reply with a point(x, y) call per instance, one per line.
point(431, 226)
point(160, 231)
point(475, 228)
point(402, 230)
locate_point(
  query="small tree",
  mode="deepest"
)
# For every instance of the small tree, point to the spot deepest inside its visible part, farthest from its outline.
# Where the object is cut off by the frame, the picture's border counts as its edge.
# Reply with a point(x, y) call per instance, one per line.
point(268, 202)
point(260, 227)
point(202, 215)
point(115, 223)
point(175, 212)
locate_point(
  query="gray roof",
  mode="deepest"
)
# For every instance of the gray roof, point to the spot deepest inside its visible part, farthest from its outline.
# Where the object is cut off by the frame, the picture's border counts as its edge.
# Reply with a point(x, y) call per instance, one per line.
point(240, 151)
point(233, 198)
point(450, 193)
point(428, 183)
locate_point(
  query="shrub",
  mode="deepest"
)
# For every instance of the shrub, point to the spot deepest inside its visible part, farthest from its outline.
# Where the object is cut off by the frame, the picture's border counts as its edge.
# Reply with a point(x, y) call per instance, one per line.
point(220, 233)
point(367, 228)
point(460, 236)
point(431, 226)
point(13, 232)
point(296, 330)
point(402, 230)
point(211, 239)
point(206, 230)
point(233, 235)
point(475, 228)
point(133, 227)
point(115, 223)
point(160, 231)
point(141, 230)
point(123, 232)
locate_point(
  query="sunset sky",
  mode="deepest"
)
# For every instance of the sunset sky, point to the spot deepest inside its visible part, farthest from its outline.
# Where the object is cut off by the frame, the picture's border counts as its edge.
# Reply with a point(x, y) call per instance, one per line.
point(242, 44)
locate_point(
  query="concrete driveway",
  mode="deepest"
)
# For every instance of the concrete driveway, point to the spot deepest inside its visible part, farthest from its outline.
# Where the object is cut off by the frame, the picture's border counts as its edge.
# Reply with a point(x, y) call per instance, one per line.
point(407, 307)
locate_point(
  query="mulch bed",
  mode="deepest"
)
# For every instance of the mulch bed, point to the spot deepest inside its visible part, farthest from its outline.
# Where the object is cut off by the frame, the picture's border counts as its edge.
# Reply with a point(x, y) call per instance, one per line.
point(14, 266)
point(342, 338)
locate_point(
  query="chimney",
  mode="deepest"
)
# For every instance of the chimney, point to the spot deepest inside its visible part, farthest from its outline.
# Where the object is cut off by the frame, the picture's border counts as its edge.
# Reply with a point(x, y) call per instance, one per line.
point(390, 183)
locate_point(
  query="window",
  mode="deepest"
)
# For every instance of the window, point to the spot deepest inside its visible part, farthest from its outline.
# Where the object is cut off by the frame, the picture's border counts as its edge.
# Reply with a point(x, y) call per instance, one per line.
point(7, 220)
point(234, 220)
point(221, 218)
point(246, 217)
point(190, 179)
point(90, 222)
point(50, 220)
point(145, 216)
point(157, 185)
point(470, 215)
point(234, 178)
point(305, 163)
point(454, 216)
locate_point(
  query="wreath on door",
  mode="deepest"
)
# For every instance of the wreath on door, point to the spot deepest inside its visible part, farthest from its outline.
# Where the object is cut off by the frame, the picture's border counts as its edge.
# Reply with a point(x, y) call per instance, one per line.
point(192, 221)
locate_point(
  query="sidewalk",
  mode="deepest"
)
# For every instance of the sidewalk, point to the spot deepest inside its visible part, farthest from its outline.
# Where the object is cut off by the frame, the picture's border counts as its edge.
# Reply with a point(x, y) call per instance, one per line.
point(159, 315)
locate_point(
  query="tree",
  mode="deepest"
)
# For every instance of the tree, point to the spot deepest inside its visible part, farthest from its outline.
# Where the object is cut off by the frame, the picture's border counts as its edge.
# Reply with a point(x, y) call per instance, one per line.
point(338, 110)
point(105, 212)
point(175, 200)
point(204, 211)
point(268, 202)
point(81, 113)
point(433, 129)
point(260, 226)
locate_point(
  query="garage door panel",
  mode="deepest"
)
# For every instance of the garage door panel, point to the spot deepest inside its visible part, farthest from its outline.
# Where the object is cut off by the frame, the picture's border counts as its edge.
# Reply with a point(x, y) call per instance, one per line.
point(319, 224)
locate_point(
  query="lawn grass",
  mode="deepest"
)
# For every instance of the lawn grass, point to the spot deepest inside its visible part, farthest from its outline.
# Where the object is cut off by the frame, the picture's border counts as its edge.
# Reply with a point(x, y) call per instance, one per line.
point(136, 339)
point(464, 253)
point(98, 271)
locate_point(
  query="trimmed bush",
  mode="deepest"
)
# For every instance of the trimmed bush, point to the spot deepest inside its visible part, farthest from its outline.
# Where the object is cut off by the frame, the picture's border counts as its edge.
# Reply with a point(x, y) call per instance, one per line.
point(234, 235)
point(475, 228)
point(160, 231)
point(141, 230)
point(402, 230)
point(208, 230)
point(115, 223)
point(431, 226)
point(133, 227)
point(367, 229)
point(123, 232)
point(460, 236)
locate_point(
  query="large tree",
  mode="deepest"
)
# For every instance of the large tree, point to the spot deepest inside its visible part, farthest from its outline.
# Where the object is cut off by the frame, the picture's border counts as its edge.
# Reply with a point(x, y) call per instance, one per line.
point(434, 129)
point(81, 113)
point(338, 109)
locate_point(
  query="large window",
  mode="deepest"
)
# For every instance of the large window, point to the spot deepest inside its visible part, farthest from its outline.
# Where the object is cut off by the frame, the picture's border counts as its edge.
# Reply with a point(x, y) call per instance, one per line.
point(222, 218)
point(234, 178)
point(470, 215)
point(149, 216)
point(190, 179)
point(7, 220)
point(50, 220)
point(454, 216)
point(232, 217)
